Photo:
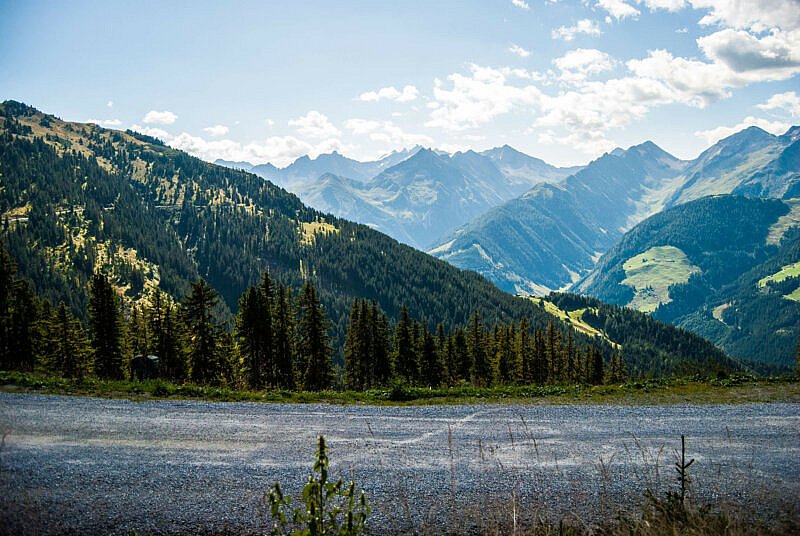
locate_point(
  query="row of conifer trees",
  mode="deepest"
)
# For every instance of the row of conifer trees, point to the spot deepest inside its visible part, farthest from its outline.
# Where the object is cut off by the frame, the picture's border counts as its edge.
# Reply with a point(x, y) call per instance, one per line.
point(281, 339)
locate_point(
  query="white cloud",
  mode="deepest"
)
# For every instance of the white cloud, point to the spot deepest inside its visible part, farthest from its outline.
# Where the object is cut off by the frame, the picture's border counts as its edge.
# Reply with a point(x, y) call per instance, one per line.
point(105, 122)
point(775, 56)
point(618, 8)
point(577, 65)
point(593, 143)
point(386, 132)
point(789, 101)
point(521, 4)
point(715, 134)
point(409, 93)
point(110, 104)
point(217, 130)
point(682, 30)
point(478, 98)
point(314, 125)
point(154, 117)
point(159, 133)
point(519, 51)
point(279, 150)
point(269, 122)
point(583, 26)
point(755, 15)
point(669, 5)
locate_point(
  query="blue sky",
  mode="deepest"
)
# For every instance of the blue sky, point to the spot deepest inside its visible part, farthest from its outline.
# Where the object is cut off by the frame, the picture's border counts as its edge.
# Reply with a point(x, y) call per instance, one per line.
point(271, 81)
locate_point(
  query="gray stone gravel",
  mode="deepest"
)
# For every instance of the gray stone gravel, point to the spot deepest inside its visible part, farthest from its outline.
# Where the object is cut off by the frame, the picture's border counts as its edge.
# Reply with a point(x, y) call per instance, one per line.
point(81, 465)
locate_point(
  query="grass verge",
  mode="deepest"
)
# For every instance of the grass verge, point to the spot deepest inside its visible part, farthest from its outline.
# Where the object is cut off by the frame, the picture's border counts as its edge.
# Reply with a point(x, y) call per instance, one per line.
point(733, 390)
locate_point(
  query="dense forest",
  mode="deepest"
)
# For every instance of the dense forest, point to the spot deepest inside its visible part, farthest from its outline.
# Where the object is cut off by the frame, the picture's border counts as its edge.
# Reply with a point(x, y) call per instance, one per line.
point(281, 340)
point(78, 200)
point(726, 238)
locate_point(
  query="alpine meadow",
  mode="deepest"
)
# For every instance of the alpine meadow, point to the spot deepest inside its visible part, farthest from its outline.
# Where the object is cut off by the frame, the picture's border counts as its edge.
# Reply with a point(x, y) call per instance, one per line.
point(481, 268)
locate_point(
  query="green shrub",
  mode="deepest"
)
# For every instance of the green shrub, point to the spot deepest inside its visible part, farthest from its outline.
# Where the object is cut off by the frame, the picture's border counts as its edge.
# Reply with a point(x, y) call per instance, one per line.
point(329, 508)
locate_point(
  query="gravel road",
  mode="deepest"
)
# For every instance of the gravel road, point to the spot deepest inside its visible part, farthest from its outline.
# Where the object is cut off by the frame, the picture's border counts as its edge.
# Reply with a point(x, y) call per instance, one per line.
point(80, 465)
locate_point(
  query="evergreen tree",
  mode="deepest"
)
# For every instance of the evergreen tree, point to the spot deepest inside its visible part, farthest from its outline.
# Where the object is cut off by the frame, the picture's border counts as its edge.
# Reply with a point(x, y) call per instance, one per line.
point(405, 357)
point(353, 343)
point(540, 365)
point(68, 350)
point(138, 340)
point(251, 331)
point(163, 325)
point(284, 339)
point(508, 365)
point(569, 359)
point(462, 358)
point(313, 341)
point(524, 351)
point(432, 365)
point(594, 365)
point(204, 333)
point(107, 328)
point(381, 351)
point(553, 354)
point(478, 352)
point(445, 353)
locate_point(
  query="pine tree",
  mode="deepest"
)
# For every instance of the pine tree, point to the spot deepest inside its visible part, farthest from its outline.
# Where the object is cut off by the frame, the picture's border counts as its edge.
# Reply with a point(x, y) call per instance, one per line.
point(432, 366)
point(540, 366)
point(68, 350)
point(107, 328)
point(594, 366)
point(204, 333)
point(22, 329)
point(405, 357)
point(524, 352)
point(508, 365)
point(445, 353)
point(569, 373)
point(462, 358)
point(166, 336)
point(553, 351)
point(313, 341)
point(267, 295)
point(284, 339)
point(478, 352)
point(352, 349)
point(381, 351)
point(250, 334)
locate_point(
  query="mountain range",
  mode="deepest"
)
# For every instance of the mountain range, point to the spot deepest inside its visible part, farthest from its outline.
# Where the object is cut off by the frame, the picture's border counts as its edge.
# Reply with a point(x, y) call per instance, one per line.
point(551, 237)
point(77, 198)
point(414, 195)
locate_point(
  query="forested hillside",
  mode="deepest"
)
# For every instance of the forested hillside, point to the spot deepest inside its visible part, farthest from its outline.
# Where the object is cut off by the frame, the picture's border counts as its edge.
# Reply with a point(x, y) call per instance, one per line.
point(78, 198)
point(705, 266)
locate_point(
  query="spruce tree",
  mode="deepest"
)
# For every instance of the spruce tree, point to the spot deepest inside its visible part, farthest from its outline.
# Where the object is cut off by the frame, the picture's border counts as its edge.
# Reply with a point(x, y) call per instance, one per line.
point(107, 328)
point(478, 352)
point(405, 357)
point(313, 341)
point(381, 350)
point(432, 373)
point(284, 338)
point(461, 356)
point(204, 333)
point(68, 350)
point(524, 352)
point(250, 335)
point(165, 341)
point(352, 349)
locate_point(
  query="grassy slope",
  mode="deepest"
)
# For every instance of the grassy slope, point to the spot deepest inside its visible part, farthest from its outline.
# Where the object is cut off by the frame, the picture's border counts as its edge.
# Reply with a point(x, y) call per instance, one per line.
point(652, 272)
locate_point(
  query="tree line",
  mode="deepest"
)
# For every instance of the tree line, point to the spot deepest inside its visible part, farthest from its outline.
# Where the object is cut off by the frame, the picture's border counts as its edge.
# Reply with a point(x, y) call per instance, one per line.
point(281, 339)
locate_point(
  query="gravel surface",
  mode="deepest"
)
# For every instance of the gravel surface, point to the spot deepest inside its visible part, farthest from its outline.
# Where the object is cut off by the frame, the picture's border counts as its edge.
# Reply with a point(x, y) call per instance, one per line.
point(86, 465)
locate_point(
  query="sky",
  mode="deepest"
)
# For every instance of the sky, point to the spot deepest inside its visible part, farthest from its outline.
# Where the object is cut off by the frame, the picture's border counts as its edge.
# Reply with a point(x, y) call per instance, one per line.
point(562, 80)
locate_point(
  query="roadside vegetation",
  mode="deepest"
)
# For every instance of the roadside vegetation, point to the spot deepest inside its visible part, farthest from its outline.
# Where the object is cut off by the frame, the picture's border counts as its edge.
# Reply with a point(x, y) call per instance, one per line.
point(734, 389)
